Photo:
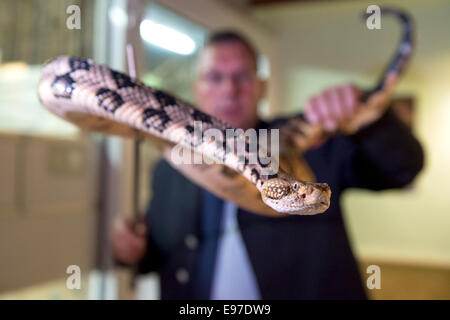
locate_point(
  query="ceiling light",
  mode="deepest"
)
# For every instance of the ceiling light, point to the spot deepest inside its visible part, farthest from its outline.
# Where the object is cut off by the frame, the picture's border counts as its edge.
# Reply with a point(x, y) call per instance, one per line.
point(167, 38)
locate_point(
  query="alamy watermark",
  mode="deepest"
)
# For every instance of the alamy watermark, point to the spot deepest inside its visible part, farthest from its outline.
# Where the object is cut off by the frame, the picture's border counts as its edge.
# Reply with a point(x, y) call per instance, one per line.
point(374, 19)
point(74, 20)
point(212, 146)
point(374, 280)
point(74, 280)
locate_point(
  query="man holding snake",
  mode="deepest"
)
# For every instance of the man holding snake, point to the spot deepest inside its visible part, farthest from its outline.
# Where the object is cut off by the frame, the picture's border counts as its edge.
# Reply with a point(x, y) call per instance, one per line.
point(206, 248)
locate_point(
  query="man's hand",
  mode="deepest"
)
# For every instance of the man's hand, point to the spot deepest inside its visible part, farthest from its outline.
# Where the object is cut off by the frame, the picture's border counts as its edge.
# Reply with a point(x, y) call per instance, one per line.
point(129, 240)
point(339, 108)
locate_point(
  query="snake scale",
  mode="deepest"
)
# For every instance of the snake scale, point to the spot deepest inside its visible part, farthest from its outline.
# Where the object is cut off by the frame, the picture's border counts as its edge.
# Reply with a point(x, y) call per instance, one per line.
point(97, 98)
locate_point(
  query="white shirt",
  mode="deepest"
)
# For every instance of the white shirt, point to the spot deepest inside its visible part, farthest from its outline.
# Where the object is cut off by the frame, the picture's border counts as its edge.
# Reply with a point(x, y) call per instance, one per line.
point(233, 274)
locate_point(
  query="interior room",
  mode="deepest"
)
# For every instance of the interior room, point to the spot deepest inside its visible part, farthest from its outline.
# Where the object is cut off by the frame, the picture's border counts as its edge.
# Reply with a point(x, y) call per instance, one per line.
point(63, 187)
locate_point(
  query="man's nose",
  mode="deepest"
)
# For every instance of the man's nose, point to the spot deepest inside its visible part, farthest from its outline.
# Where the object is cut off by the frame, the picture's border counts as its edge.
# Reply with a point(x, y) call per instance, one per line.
point(230, 86)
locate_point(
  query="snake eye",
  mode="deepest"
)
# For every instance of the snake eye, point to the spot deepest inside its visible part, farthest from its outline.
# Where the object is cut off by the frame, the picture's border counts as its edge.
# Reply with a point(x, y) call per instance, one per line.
point(295, 186)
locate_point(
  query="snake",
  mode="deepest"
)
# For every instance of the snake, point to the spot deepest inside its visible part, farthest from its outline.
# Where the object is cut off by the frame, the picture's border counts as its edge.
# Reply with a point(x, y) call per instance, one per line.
point(98, 98)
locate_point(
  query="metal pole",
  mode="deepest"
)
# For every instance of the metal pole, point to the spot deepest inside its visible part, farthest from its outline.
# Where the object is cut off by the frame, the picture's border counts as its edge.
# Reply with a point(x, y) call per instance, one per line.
point(137, 155)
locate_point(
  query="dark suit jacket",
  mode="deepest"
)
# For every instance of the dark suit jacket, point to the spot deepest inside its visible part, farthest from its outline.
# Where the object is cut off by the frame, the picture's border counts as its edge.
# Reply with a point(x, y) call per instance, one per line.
point(297, 257)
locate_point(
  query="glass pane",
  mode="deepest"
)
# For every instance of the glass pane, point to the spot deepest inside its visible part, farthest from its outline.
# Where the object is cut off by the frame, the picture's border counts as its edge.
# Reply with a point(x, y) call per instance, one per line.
point(31, 33)
point(48, 185)
point(165, 34)
point(165, 69)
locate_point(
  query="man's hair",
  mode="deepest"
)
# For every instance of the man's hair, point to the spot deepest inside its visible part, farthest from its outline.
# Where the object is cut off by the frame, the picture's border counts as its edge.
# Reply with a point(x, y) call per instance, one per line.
point(227, 36)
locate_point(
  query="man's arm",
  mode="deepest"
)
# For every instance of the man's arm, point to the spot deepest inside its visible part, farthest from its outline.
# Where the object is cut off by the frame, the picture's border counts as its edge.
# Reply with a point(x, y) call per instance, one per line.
point(383, 155)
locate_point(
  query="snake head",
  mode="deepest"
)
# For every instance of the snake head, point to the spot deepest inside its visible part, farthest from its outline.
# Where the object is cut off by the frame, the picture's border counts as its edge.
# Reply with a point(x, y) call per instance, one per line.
point(296, 197)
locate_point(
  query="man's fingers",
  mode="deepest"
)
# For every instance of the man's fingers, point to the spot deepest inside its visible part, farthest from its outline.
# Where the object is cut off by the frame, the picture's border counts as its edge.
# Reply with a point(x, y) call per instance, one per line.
point(341, 107)
point(334, 107)
point(327, 116)
point(130, 246)
point(133, 239)
point(129, 241)
point(140, 228)
point(391, 82)
point(323, 107)
point(336, 112)
point(384, 95)
point(380, 99)
point(350, 97)
point(311, 111)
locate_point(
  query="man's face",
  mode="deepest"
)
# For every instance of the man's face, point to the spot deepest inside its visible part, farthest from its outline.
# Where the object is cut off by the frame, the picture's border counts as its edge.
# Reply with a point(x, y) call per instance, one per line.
point(227, 86)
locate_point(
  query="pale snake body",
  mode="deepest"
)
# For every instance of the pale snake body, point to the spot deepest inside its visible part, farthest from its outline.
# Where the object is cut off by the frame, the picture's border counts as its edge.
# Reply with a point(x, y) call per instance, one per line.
point(97, 98)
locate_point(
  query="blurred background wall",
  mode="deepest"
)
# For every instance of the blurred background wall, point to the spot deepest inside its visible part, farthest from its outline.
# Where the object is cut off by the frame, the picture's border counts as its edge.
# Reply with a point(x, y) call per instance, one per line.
point(49, 200)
